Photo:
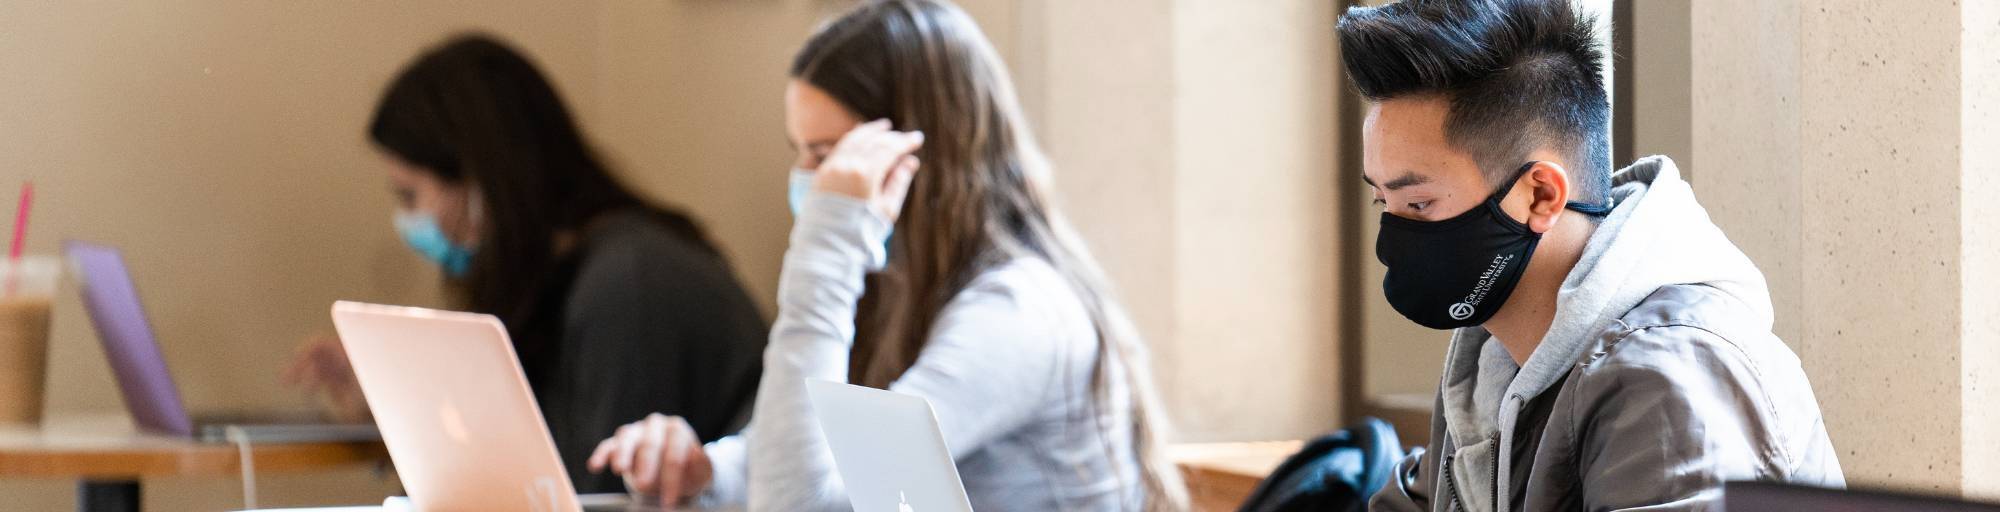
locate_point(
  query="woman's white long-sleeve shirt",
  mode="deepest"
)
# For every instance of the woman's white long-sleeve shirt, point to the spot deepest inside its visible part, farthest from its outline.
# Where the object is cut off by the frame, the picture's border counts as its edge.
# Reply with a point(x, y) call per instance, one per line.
point(1008, 369)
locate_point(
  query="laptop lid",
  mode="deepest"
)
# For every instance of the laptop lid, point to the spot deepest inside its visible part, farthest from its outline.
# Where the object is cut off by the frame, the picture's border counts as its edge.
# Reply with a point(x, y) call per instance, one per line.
point(888, 449)
point(113, 303)
point(1764, 496)
point(454, 409)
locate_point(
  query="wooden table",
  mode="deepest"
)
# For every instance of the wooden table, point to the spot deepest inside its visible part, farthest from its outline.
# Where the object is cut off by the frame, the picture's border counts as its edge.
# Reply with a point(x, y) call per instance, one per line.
point(108, 458)
point(1221, 476)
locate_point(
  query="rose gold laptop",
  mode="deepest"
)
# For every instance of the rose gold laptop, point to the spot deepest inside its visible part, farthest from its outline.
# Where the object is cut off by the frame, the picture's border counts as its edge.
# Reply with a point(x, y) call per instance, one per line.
point(456, 412)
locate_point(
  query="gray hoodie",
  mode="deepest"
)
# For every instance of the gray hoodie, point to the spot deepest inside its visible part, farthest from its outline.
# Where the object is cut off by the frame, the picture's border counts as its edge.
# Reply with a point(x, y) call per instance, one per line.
point(1659, 380)
point(1008, 368)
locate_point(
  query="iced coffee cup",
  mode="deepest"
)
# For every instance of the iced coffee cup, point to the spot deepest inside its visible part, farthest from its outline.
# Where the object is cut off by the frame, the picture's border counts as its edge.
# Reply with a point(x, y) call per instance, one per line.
point(27, 286)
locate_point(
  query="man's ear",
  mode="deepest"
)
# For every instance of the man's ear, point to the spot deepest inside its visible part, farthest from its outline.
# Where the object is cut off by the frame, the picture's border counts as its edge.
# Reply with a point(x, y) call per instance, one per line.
point(1549, 184)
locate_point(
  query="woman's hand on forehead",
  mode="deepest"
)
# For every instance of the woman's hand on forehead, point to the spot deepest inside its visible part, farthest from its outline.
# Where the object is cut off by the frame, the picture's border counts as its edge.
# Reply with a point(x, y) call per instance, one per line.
point(873, 163)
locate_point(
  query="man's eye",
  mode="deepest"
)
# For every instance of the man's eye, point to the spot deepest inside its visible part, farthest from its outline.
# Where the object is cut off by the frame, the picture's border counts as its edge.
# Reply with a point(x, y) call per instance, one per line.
point(1418, 207)
point(1378, 202)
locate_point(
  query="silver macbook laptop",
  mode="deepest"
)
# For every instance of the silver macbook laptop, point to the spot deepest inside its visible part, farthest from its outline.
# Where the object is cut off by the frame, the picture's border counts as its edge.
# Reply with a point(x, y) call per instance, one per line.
point(888, 449)
point(148, 388)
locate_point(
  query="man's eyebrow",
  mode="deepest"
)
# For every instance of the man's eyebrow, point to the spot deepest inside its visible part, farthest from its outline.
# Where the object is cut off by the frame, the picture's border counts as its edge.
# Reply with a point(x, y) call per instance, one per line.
point(1408, 179)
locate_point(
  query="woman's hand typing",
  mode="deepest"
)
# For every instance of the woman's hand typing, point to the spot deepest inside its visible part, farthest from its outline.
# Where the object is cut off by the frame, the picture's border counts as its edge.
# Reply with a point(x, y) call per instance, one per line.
point(658, 456)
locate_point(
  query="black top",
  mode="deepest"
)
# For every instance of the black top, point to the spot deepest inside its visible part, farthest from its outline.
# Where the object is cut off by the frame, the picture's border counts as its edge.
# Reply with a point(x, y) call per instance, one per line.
point(650, 322)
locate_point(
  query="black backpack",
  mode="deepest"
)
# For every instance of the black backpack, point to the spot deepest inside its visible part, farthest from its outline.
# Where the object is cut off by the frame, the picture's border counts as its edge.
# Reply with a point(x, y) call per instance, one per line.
point(1336, 472)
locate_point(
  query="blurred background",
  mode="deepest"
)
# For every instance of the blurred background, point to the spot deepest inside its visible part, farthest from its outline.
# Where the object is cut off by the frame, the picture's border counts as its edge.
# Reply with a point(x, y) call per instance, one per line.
point(1204, 148)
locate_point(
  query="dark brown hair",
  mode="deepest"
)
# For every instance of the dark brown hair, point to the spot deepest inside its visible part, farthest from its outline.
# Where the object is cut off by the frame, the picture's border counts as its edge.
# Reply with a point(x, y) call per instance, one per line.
point(474, 111)
point(980, 201)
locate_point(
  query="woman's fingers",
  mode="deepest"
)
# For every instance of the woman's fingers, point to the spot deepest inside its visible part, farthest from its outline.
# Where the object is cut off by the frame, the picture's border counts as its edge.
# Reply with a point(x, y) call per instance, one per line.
point(860, 135)
point(897, 187)
point(674, 460)
point(864, 159)
point(295, 373)
point(700, 471)
point(885, 151)
point(601, 457)
point(628, 448)
point(305, 367)
point(903, 144)
point(318, 363)
point(652, 441)
point(655, 456)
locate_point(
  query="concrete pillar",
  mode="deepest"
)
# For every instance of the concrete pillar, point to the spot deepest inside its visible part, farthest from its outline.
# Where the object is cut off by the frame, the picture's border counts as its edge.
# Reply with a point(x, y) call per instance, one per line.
point(1829, 144)
point(1256, 176)
point(1979, 208)
point(1194, 142)
point(1659, 64)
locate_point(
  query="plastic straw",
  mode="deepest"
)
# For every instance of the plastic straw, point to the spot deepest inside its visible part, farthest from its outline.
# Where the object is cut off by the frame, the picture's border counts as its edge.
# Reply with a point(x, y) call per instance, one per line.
point(20, 236)
point(21, 221)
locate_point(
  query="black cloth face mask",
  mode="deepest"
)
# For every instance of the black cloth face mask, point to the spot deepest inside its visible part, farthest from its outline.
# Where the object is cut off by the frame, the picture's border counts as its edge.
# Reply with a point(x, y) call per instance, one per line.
point(1457, 272)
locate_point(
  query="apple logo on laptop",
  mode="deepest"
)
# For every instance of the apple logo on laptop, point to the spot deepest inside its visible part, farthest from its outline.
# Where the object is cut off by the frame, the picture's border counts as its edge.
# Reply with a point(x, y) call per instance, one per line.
point(454, 424)
point(903, 503)
point(542, 494)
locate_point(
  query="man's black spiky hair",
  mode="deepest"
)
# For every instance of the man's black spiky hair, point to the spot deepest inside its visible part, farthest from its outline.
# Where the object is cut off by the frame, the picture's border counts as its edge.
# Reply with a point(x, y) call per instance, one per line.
point(1519, 74)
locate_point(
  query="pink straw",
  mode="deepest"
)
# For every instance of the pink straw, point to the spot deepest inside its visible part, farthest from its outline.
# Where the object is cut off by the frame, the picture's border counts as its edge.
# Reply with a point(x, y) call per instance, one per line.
point(21, 221)
point(20, 236)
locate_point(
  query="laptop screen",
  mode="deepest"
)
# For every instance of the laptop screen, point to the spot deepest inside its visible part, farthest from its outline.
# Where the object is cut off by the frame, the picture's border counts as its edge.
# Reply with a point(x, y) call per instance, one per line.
point(113, 304)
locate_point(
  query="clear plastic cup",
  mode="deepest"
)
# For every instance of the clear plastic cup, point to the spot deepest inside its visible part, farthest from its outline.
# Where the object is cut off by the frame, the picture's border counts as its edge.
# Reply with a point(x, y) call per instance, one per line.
point(27, 287)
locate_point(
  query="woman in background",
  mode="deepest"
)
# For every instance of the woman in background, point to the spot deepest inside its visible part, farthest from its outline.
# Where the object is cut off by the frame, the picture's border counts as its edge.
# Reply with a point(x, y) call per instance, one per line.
point(616, 307)
point(986, 304)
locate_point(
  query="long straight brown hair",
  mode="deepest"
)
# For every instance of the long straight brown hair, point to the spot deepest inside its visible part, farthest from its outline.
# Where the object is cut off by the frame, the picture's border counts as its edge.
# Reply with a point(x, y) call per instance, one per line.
point(981, 200)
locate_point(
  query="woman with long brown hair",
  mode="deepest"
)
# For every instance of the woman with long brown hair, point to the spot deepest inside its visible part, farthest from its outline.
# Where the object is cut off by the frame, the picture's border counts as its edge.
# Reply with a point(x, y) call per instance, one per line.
point(985, 302)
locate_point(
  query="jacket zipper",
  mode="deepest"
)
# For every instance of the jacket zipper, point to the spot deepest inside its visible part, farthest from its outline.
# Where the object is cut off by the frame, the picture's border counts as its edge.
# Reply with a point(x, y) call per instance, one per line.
point(1451, 479)
point(1495, 455)
point(1451, 485)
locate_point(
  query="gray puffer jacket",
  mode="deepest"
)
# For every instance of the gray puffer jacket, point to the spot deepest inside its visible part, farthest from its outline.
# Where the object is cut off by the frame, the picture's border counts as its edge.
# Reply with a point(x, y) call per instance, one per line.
point(1659, 381)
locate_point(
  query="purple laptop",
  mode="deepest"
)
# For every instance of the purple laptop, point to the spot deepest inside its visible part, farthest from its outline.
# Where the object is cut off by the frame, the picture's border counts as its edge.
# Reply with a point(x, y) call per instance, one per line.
point(149, 389)
point(128, 340)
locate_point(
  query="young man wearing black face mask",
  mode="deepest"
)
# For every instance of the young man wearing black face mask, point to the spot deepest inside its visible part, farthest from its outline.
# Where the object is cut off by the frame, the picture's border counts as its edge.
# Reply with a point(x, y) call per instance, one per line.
point(1612, 350)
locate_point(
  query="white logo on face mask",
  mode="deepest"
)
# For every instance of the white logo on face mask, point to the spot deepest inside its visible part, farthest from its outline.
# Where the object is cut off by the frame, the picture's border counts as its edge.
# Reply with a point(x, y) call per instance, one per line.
point(1460, 311)
point(1464, 310)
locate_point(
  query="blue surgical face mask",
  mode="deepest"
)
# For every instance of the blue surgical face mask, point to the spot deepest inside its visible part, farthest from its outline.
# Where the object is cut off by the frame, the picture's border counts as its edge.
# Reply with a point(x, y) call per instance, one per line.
point(421, 232)
point(801, 183)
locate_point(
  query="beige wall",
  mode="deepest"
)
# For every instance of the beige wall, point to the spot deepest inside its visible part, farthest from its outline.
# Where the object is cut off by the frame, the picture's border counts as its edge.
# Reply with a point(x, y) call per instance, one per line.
point(1660, 89)
point(1747, 136)
point(1253, 347)
point(692, 111)
point(1847, 148)
point(1110, 131)
point(1194, 146)
point(1868, 325)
